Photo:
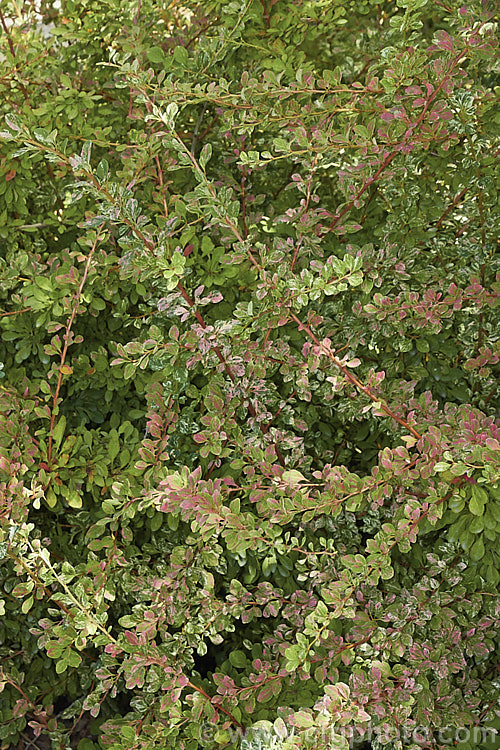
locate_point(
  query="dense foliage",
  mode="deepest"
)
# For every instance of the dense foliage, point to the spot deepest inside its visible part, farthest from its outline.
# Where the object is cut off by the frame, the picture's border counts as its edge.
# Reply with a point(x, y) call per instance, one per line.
point(249, 461)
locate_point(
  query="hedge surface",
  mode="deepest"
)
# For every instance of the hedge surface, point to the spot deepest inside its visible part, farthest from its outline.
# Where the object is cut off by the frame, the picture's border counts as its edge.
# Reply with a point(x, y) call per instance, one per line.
point(249, 455)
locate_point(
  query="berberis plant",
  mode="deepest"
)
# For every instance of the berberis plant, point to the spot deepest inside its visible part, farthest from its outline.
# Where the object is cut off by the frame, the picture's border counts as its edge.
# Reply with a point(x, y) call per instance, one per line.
point(249, 458)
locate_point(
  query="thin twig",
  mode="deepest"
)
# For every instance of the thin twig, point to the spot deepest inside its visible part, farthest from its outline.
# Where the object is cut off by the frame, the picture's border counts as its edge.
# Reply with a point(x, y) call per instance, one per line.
point(28, 742)
point(66, 343)
point(39, 225)
point(15, 312)
point(197, 128)
point(159, 172)
point(216, 705)
point(392, 155)
point(135, 20)
point(353, 379)
point(12, 52)
point(452, 205)
point(7, 34)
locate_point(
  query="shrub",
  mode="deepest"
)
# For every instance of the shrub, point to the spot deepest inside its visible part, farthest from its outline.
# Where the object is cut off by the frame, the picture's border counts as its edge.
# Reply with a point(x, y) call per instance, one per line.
point(249, 456)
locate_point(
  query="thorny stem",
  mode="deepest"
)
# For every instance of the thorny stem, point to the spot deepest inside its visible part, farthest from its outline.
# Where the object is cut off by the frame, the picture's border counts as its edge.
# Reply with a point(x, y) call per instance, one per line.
point(45, 559)
point(243, 206)
point(15, 312)
point(353, 379)
point(456, 201)
point(162, 187)
point(391, 156)
point(66, 343)
point(11, 48)
point(216, 706)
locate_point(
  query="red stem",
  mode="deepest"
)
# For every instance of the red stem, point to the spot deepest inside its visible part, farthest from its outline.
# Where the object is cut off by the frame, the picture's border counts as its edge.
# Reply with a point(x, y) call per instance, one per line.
point(15, 312)
point(66, 343)
point(354, 380)
point(395, 152)
point(456, 201)
point(243, 208)
point(217, 706)
point(162, 188)
point(13, 53)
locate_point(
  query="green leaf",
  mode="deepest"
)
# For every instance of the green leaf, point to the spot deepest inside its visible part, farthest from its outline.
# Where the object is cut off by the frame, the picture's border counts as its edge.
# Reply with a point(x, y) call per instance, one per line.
point(458, 469)
point(476, 502)
point(238, 659)
point(479, 493)
point(293, 477)
point(127, 622)
point(74, 659)
point(181, 55)
point(128, 733)
point(129, 370)
point(86, 744)
point(303, 719)
point(50, 498)
point(43, 283)
point(58, 431)
point(114, 444)
point(74, 499)
point(61, 666)
point(155, 54)
point(26, 605)
point(205, 155)
point(477, 550)
point(156, 522)
point(102, 170)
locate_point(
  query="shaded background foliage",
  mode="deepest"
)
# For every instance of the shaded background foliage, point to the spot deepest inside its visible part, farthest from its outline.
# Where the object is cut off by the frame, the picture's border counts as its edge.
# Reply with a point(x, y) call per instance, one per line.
point(248, 289)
